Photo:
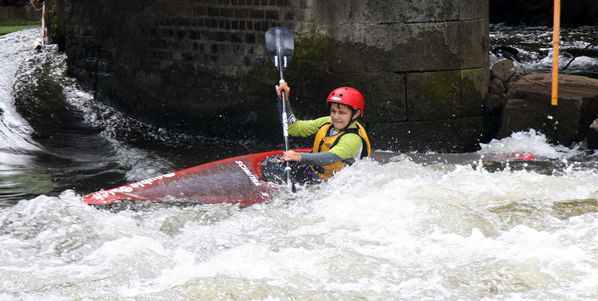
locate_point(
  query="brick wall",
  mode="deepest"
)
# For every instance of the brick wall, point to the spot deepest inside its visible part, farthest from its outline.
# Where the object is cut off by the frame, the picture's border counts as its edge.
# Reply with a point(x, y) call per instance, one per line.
point(226, 35)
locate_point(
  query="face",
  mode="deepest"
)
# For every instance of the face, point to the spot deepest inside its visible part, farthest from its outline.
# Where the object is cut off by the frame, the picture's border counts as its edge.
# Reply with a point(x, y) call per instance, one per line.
point(341, 115)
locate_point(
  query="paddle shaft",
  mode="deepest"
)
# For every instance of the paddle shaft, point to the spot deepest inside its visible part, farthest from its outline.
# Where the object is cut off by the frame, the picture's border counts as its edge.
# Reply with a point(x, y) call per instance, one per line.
point(285, 122)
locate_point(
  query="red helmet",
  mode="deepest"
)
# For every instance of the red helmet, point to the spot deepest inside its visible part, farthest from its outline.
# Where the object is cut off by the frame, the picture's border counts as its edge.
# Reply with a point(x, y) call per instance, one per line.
point(347, 96)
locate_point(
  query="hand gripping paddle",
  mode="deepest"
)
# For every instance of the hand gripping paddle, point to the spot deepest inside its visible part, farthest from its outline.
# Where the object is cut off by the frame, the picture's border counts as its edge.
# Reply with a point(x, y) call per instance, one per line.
point(280, 46)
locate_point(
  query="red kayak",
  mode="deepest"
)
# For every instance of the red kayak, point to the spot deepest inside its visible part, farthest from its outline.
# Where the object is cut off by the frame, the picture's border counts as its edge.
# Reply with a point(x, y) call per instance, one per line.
point(233, 180)
point(239, 180)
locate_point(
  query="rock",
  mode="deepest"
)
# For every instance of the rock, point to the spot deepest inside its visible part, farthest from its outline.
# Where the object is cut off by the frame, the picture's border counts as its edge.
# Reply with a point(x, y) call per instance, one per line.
point(528, 106)
point(592, 135)
point(494, 103)
point(503, 70)
point(497, 87)
point(506, 52)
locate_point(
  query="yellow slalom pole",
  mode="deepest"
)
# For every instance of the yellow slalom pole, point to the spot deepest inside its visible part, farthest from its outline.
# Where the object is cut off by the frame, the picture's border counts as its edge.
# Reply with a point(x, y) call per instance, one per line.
point(556, 38)
point(44, 24)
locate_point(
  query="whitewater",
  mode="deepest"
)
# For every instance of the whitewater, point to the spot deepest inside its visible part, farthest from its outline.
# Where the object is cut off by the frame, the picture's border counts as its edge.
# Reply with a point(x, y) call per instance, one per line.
point(395, 231)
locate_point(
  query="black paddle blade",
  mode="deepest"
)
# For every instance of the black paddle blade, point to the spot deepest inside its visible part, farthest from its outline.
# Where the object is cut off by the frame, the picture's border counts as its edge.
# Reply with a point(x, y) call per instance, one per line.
point(280, 46)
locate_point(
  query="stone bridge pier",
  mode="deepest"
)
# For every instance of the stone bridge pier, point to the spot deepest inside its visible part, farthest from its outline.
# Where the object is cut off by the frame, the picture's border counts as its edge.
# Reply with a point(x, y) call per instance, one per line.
point(421, 65)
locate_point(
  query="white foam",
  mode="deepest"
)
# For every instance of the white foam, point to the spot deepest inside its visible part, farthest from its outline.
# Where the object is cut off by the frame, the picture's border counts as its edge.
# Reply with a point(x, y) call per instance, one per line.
point(15, 132)
point(375, 231)
point(530, 141)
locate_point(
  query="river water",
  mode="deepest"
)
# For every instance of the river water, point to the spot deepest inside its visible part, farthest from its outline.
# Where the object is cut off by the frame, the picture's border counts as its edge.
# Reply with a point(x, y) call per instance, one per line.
point(533, 47)
point(399, 231)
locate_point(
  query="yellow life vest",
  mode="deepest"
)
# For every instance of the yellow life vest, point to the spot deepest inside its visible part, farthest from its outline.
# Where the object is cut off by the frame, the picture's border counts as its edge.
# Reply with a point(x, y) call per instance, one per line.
point(323, 143)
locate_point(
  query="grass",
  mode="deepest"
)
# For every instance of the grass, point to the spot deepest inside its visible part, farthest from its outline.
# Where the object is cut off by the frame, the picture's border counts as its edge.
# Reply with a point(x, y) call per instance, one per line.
point(8, 29)
point(8, 26)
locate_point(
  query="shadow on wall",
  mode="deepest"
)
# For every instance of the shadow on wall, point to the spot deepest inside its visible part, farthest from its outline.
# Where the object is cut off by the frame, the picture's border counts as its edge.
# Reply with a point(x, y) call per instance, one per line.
point(540, 12)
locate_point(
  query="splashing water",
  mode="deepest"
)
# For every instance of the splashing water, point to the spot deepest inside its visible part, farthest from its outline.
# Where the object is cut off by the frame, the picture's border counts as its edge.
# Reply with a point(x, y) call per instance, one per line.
point(530, 141)
point(397, 231)
point(533, 48)
point(377, 232)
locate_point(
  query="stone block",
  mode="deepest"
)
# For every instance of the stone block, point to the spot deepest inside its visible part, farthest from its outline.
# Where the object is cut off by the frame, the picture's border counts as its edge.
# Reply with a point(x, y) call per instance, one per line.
point(384, 11)
point(409, 47)
point(257, 14)
point(347, 32)
point(431, 10)
point(426, 46)
point(384, 95)
point(473, 9)
point(473, 44)
point(335, 12)
point(241, 13)
point(272, 15)
point(434, 95)
point(474, 90)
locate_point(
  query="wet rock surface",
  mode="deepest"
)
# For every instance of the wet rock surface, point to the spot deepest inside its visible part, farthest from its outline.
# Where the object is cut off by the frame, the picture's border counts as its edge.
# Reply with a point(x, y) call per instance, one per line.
point(528, 105)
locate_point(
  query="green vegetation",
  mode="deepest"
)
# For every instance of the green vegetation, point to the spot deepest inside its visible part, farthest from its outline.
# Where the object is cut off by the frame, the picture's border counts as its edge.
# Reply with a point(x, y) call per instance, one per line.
point(8, 26)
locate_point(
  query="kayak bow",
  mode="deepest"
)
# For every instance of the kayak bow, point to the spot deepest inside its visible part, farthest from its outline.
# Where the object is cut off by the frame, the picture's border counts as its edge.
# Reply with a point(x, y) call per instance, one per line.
point(233, 180)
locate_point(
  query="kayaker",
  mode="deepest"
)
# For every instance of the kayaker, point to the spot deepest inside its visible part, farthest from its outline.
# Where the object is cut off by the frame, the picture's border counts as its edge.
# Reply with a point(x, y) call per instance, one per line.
point(339, 138)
